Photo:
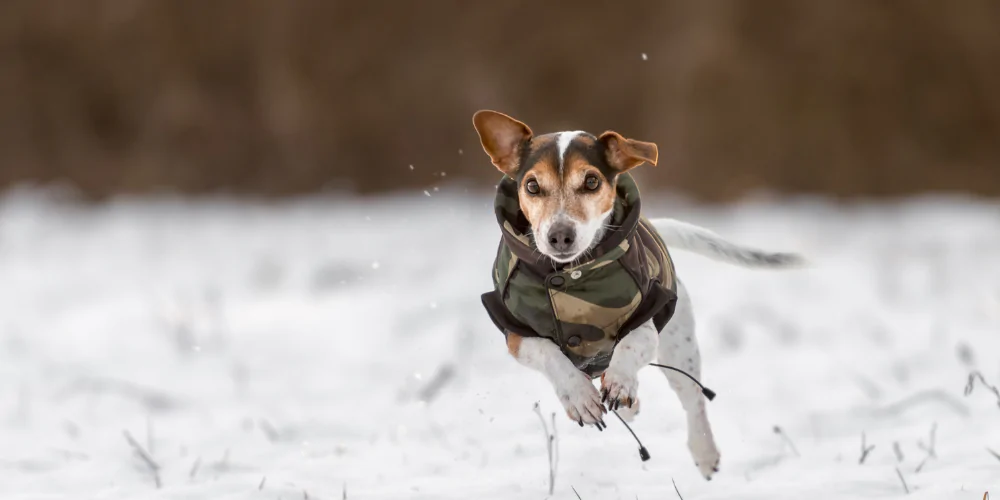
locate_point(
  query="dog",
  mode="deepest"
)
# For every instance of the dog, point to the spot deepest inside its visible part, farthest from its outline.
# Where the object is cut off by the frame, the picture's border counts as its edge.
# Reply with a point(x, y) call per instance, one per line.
point(584, 286)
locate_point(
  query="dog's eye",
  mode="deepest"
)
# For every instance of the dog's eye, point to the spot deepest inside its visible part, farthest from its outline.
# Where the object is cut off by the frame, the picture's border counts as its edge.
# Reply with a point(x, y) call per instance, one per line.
point(592, 183)
point(531, 186)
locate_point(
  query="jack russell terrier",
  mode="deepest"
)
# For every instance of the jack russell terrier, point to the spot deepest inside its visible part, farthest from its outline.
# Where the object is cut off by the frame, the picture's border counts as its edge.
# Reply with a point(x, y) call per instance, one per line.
point(584, 286)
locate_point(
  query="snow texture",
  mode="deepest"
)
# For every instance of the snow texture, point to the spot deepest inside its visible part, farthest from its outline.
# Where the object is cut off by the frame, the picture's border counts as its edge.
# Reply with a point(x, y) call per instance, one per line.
point(330, 347)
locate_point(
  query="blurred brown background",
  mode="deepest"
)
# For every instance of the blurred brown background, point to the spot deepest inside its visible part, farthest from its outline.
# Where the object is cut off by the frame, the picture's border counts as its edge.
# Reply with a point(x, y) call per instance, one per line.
point(273, 97)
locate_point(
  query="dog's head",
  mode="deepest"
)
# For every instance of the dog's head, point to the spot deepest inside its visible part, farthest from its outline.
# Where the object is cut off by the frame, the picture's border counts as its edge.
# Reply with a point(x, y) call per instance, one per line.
point(566, 180)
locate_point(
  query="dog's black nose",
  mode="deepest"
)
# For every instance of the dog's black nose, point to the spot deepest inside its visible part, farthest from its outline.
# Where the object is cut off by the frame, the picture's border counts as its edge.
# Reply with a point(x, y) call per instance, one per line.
point(561, 236)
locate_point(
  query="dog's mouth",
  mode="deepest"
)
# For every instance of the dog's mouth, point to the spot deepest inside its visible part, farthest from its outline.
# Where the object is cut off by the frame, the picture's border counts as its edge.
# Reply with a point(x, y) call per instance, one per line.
point(564, 257)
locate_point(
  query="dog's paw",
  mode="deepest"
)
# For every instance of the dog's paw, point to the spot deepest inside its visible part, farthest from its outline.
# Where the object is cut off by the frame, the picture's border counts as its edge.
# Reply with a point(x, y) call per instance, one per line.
point(618, 388)
point(706, 456)
point(581, 401)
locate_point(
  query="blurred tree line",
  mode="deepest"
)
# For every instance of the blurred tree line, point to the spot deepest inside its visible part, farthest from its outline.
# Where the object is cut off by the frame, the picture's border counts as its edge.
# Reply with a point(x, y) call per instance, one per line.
point(846, 97)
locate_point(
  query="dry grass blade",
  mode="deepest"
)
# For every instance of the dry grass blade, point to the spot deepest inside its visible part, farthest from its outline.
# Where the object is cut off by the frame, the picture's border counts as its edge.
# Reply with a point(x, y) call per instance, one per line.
point(550, 444)
point(905, 487)
point(154, 468)
point(675, 489)
point(929, 448)
point(578, 497)
point(554, 440)
point(971, 384)
point(194, 467)
point(865, 450)
point(269, 430)
point(261, 485)
point(433, 387)
point(995, 454)
point(780, 432)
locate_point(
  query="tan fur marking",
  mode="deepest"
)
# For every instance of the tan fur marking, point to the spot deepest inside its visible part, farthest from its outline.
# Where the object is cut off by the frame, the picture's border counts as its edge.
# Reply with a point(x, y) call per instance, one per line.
point(584, 206)
point(565, 190)
point(513, 344)
point(539, 208)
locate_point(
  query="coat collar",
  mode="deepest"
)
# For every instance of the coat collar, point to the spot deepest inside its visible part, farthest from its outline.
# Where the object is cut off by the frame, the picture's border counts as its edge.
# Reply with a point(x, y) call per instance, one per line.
point(517, 236)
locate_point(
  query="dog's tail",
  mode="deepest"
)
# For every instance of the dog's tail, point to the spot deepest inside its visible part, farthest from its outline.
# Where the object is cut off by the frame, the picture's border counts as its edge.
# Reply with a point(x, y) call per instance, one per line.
point(677, 234)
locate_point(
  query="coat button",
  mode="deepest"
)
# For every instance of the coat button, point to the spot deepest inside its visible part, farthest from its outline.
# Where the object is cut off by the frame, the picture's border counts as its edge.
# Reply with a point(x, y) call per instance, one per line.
point(573, 341)
point(556, 281)
point(575, 274)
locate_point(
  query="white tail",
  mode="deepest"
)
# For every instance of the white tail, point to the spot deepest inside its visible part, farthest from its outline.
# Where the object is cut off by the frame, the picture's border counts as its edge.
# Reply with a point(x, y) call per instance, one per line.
point(677, 234)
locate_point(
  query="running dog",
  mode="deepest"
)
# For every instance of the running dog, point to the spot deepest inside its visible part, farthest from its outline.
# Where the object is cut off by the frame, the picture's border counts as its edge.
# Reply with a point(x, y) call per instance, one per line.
point(584, 287)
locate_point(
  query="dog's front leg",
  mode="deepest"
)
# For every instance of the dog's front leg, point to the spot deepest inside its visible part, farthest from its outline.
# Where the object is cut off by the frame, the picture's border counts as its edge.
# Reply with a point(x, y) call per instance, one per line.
point(574, 388)
point(620, 382)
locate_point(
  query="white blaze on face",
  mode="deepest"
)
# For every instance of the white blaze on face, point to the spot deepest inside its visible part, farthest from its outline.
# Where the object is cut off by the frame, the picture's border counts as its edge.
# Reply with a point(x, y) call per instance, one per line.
point(590, 232)
point(587, 232)
point(562, 142)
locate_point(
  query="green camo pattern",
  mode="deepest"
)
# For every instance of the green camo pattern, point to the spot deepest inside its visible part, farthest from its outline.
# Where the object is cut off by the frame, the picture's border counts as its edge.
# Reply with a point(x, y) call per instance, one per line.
point(581, 308)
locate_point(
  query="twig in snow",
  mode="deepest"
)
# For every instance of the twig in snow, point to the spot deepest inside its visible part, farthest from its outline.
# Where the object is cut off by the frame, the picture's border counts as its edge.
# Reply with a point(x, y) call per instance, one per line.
point(345, 492)
point(905, 487)
point(269, 430)
point(223, 464)
point(148, 460)
point(899, 452)
point(972, 382)
point(578, 497)
point(261, 485)
point(865, 450)
point(780, 432)
point(433, 387)
point(930, 448)
point(554, 439)
point(995, 454)
point(550, 443)
point(676, 490)
point(305, 495)
point(194, 467)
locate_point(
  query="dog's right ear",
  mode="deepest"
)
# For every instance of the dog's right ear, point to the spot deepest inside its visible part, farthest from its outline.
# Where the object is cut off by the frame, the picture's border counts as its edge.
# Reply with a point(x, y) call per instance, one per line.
point(502, 138)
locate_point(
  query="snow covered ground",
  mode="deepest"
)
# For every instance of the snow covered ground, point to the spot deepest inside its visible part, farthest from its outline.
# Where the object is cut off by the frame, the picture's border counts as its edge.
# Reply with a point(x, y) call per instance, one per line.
point(332, 346)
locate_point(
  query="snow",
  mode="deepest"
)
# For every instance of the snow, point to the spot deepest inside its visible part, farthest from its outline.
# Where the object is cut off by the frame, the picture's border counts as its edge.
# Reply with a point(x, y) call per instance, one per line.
point(329, 345)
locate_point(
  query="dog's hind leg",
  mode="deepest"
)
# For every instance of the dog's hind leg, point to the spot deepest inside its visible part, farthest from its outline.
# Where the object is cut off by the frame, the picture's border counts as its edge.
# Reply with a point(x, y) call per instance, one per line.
point(678, 347)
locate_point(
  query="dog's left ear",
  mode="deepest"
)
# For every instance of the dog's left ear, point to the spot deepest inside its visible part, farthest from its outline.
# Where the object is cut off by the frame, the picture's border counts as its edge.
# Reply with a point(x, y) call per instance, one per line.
point(625, 154)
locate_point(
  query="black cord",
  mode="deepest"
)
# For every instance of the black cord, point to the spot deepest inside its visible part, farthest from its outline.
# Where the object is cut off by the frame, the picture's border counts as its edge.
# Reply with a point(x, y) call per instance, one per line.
point(643, 452)
point(709, 393)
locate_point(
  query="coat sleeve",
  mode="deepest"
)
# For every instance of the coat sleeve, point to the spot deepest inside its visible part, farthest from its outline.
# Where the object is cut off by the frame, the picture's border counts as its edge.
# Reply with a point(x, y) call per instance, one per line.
point(502, 317)
point(658, 305)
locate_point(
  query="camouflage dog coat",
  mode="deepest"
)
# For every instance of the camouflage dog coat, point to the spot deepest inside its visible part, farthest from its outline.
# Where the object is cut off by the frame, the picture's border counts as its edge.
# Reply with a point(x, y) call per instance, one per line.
point(587, 308)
